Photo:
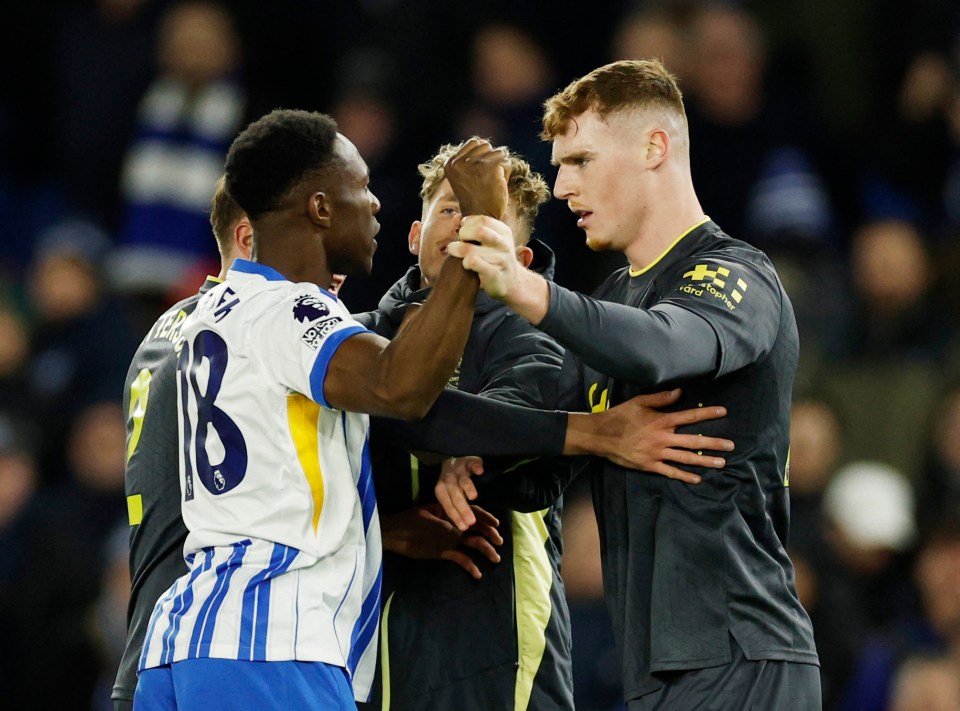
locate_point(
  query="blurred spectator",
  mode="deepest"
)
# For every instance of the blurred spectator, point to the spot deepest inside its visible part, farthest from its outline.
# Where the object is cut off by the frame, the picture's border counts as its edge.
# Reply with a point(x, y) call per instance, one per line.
point(102, 60)
point(868, 509)
point(90, 504)
point(934, 630)
point(367, 115)
point(82, 342)
point(46, 589)
point(26, 212)
point(95, 456)
point(655, 32)
point(511, 77)
point(885, 406)
point(927, 684)
point(596, 667)
point(816, 448)
point(189, 115)
point(111, 612)
point(14, 361)
point(18, 471)
point(938, 490)
point(740, 121)
point(895, 315)
point(90, 501)
point(919, 103)
point(766, 168)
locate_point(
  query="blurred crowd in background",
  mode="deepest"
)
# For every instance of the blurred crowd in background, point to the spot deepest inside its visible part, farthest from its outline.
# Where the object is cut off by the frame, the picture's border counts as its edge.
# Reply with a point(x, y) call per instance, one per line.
point(825, 132)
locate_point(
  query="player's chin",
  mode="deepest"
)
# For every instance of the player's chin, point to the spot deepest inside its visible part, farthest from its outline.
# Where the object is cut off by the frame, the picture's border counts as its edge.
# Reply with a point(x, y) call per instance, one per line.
point(597, 244)
point(361, 266)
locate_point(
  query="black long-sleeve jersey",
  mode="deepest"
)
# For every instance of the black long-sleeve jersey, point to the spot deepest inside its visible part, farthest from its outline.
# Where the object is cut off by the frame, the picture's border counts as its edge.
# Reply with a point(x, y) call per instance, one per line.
point(686, 566)
point(447, 640)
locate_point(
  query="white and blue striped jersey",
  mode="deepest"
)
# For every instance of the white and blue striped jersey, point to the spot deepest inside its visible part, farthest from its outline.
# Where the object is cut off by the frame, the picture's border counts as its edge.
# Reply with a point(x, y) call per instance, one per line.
point(283, 550)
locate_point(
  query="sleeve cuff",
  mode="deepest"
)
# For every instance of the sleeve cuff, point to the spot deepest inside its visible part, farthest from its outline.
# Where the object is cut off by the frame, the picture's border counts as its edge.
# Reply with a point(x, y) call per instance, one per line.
point(320, 366)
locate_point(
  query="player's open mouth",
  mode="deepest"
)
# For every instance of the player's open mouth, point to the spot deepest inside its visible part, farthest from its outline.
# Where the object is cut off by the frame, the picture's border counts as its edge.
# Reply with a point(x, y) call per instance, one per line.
point(584, 217)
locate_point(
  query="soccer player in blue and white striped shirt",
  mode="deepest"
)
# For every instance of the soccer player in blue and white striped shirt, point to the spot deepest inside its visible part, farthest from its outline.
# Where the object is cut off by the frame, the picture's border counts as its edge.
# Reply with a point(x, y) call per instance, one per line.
point(280, 605)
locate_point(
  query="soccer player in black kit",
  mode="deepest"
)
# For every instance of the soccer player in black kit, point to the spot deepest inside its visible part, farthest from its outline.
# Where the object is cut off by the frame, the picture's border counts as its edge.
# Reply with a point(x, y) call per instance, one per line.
point(697, 580)
point(152, 485)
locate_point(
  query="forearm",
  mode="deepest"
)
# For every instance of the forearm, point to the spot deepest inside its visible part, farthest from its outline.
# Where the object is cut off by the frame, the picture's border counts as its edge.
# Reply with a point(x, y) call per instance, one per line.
point(647, 347)
point(416, 365)
point(460, 424)
point(599, 434)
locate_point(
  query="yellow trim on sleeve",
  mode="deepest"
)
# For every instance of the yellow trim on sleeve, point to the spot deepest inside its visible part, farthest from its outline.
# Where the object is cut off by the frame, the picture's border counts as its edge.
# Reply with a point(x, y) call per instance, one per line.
point(135, 509)
point(303, 415)
point(638, 272)
point(532, 572)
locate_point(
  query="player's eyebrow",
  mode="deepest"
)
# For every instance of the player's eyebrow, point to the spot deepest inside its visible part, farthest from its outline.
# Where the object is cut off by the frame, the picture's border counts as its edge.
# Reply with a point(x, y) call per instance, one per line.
point(572, 157)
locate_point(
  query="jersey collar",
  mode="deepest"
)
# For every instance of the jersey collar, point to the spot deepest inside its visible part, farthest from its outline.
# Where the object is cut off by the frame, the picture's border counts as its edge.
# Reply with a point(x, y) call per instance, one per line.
point(655, 262)
point(245, 266)
point(209, 283)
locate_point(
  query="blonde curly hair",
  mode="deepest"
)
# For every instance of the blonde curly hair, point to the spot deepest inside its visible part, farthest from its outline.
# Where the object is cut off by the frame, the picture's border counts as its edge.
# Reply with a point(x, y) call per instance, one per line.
point(527, 188)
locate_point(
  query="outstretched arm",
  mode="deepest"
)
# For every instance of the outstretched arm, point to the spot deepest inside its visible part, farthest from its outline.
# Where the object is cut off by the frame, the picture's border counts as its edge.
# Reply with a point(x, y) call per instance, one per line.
point(633, 434)
point(403, 377)
point(647, 347)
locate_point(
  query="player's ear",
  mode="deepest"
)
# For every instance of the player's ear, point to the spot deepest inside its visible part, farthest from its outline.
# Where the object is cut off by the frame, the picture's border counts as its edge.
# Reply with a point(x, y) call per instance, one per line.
point(319, 209)
point(658, 143)
point(243, 237)
point(525, 256)
point(413, 239)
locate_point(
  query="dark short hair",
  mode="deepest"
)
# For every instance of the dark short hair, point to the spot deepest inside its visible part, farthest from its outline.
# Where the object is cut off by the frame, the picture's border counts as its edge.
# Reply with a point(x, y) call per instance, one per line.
point(274, 153)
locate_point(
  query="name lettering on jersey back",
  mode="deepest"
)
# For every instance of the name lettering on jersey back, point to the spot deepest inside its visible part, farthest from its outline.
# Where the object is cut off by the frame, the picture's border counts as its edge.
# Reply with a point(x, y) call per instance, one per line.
point(713, 282)
point(316, 333)
point(168, 328)
point(223, 306)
